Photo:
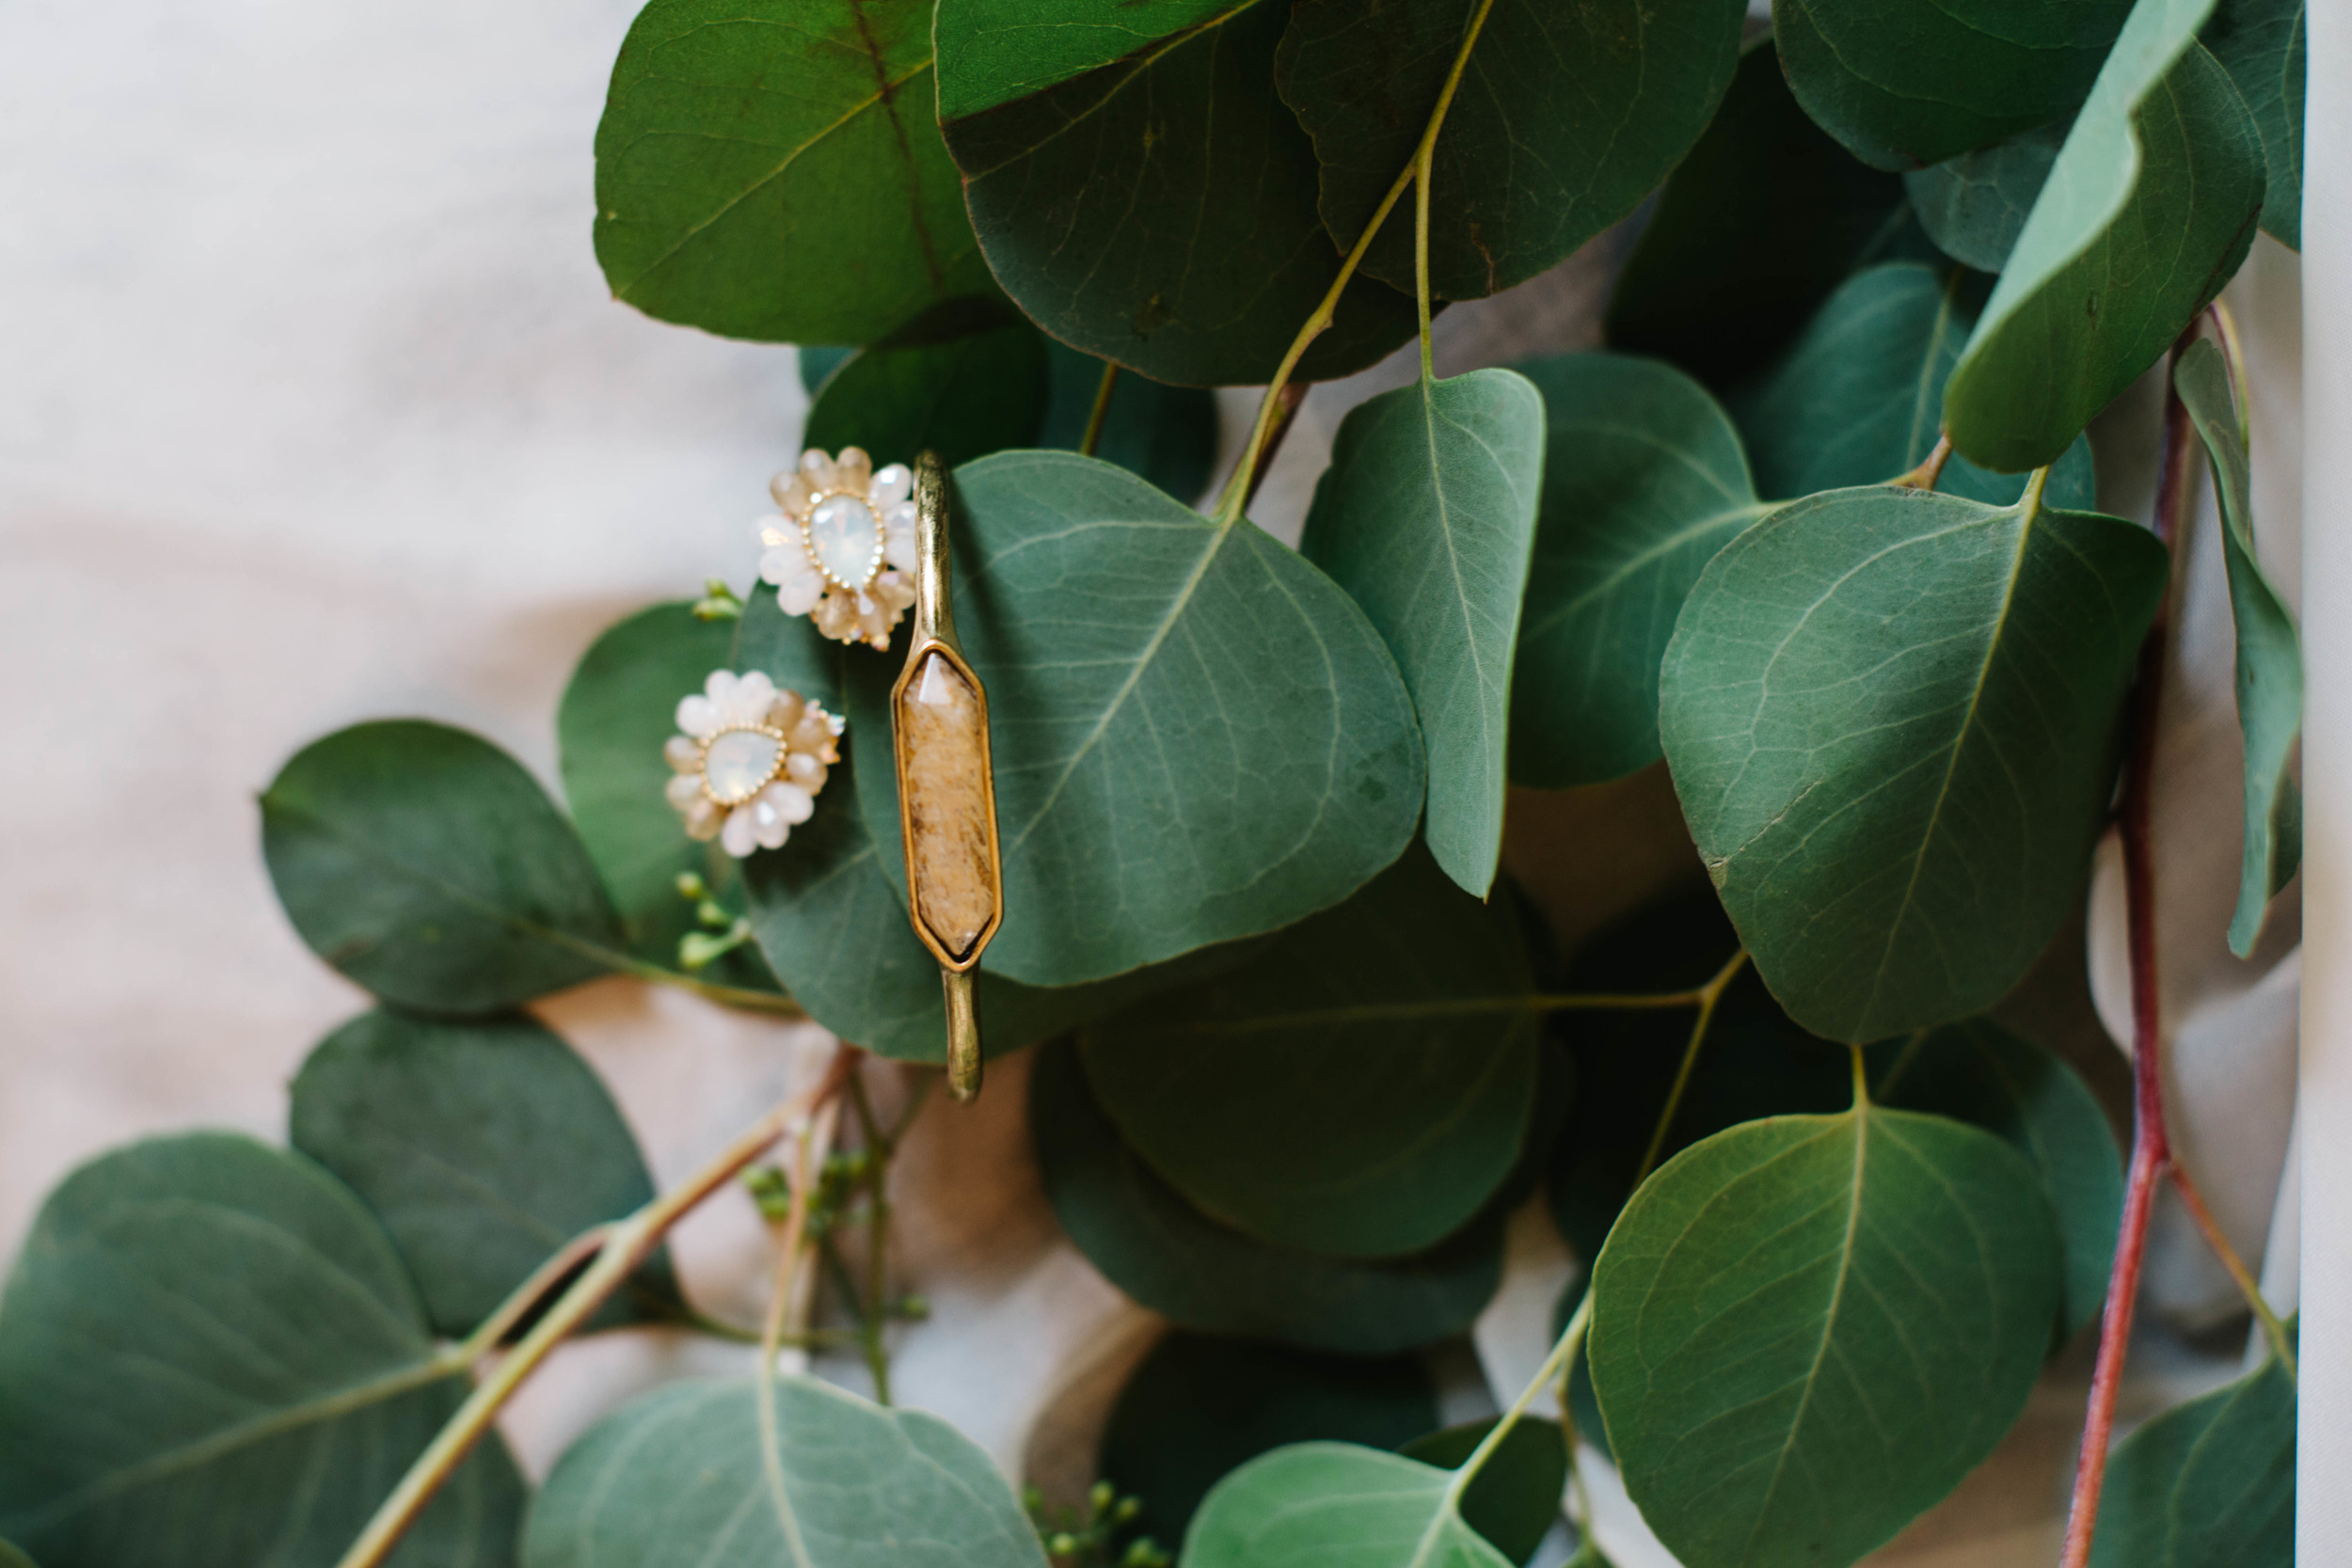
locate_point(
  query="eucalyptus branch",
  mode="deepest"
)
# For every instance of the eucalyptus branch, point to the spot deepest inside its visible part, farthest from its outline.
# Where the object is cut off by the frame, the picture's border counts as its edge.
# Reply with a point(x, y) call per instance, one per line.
point(2233, 357)
point(1709, 994)
point(1100, 412)
point(1238, 489)
point(625, 1244)
point(2194, 1201)
point(2152, 1150)
point(1931, 469)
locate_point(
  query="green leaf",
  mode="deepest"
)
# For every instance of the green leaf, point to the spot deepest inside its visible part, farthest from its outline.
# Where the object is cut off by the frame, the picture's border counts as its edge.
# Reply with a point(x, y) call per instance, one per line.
point(1335, 1503)
point(1905, 84)
point(1979, 1073)
point(1172, 1258)
point(1889, 715)
point(209, 1357)
point(1141, 191)
point(2260, 44)
point(817, 362)
point(618, 709)
point(769, 170)
point(484, 1147)
point(1427, 516)
point(12, 1557)
point(683, 1476)
point(1197, 735)
point(1404, 1018)
point(964, 379)
point(1751, 232)
point(2148, 210)
point(1975, 205)
point(428, 866)
point(1514, 1501)
point(2269, 655)
point(1196, 1408)
point(1859, 400)
point(1565, 119)
point(2207, 1484)
point(1806, 1330)
point(1165, 435)
point(1644, 482)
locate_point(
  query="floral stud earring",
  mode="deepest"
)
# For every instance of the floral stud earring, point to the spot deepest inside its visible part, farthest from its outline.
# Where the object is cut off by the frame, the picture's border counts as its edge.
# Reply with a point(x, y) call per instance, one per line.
point(748, 767)
point(842, 543)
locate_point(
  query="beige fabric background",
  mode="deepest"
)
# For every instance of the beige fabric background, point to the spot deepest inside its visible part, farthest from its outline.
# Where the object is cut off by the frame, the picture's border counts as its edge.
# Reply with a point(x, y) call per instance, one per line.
point(313, 408)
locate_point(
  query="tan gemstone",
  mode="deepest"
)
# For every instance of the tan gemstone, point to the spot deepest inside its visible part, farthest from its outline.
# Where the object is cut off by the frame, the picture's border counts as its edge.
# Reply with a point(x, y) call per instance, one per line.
point(943, 736)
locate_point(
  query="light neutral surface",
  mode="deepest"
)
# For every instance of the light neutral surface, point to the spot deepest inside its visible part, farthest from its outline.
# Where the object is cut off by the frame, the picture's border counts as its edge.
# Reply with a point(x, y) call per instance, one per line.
point(314, 409)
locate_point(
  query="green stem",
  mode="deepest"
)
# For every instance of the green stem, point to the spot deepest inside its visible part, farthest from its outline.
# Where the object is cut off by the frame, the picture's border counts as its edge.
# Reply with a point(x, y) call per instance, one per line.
point(1100, 412)
point(1709, 994)
point(1238, 489)
point(2194, 1201)
point(1421, 239)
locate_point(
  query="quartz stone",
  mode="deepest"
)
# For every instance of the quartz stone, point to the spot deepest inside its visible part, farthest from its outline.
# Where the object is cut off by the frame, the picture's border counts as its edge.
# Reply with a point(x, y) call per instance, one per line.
point(942, 735)
point(740, 763)
point(845, 538)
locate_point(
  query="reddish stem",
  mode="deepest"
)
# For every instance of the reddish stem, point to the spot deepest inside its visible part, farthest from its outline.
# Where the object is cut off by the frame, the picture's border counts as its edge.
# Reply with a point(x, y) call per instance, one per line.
point(2152, 1150)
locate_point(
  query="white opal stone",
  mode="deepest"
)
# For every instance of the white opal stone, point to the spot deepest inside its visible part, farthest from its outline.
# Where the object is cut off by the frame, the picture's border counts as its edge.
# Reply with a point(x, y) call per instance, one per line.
point(843, 535)
point(788, 800)
point(899, 546)
point(807, 771)
point(785, 712)
point(753, 692)
point(683, 789)
point(791, 493)
point(768, 825)
point(698, 716)
point(817, 468)
point(799, 596)
point(785, 562)
point(853, 470)
point(891, 487)
point(682, 754)
point(740, 762)
point(703, 820)
point(742, 834)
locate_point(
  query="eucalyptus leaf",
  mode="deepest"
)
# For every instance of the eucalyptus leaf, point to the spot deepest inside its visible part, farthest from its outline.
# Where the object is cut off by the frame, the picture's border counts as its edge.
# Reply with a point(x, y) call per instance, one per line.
point(1644, 480)
point(1752, 232)
point(1335, 1502)
point(686, 1476)
point(2207, 1484)
point(1890, 714)
point(2269, 655)
point(12, 1557)
point(963, 380)
point(1166, 434)
point(1905, 83)
point(1142, 193)
point(484, 1147)
point(817, 362)
point(1427, 517)
point(1979, 1073)
point(1975, 205)
point(2148, 210)
point(1565, 118)
point(1197, 735)
point(1172, 1258)
point(1859, 399)
point(771, 170)
point(428, 866)
point(209, 1357)
point(618, 709)
point(2261, 43)
point(1514, 1498)
point(1401, 1024)
point(1807, 1329)
point(1196, 1408)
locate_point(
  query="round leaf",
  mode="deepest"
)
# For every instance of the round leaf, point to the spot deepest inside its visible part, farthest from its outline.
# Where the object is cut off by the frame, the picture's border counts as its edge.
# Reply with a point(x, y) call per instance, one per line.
point(1644, 482)
point(1426, 517)
point(1565, 118)
point(963, 381)
point(2207, 1484)
point(1361, 1088)
point(1197, 735)
point(683, 1476)
point(1979, 1073)
point(484, 1147)
point(427, 866)
point(1142, 193)
point(1889, 715)
point(1806, 1330)
point(1196, 1408)
point(1166, 1255)
point(2148, 209)
point(1975, 205)
point(1514, 1501)
point(1334, 1502)
point(1909, 84)
point(771, 170)
point(1859, 400)
point(209, 1357)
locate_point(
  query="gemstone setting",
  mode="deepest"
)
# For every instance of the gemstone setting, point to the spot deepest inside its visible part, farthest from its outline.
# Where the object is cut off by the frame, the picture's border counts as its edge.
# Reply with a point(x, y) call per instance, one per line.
point(844, 540)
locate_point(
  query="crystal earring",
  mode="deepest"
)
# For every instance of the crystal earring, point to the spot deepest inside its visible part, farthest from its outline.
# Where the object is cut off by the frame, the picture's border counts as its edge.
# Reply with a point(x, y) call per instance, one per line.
point(747, 768)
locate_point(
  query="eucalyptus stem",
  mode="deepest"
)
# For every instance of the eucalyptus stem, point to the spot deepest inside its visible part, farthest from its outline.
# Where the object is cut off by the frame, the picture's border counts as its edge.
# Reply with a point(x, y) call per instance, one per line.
point(1238, 489)
point(2233, 356)
point(1709, 994)
point(1421, 235)
point(2152, 1150)
point(625, 1246)
point(2194, 1201)
point(1101, 411)
point(1931, 469)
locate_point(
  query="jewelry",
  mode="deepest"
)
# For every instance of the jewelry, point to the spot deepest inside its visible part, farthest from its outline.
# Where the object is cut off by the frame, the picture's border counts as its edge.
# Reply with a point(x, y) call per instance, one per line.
point(946, 788)
point(839, 545)
point(748, 766)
